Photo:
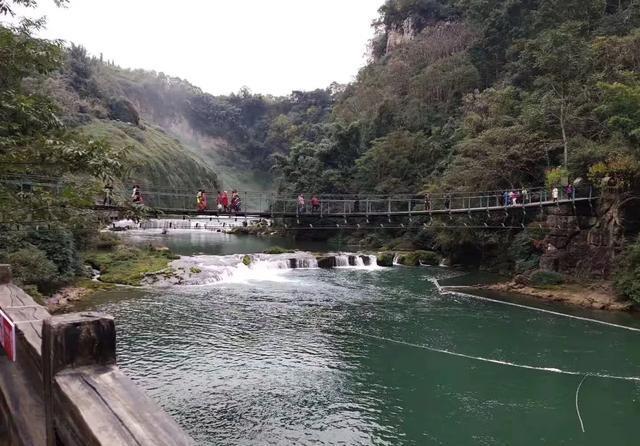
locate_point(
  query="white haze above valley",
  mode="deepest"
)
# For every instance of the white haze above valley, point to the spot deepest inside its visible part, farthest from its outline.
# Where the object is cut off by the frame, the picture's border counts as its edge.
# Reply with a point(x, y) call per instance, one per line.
point(272, 47)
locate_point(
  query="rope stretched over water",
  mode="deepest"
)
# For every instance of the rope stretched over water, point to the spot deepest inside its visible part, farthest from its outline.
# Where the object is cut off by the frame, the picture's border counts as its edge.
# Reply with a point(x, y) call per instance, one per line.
point(444, 290)
point(494, 361)
point(577, 406)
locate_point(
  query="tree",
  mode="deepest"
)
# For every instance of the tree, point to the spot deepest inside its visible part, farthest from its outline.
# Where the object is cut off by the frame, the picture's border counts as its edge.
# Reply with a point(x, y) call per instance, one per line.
point(559, 61)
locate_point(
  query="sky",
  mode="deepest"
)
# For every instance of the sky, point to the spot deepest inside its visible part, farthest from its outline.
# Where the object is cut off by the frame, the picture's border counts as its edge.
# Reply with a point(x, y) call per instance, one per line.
point(270, 46)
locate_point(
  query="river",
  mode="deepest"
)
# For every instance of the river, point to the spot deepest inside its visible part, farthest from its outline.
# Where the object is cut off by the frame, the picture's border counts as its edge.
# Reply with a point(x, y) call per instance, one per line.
point(370, 356)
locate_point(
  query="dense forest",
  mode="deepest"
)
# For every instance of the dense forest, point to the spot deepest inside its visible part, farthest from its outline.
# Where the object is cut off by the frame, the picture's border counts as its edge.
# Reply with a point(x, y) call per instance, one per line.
point(477, 95)
point(458, 95)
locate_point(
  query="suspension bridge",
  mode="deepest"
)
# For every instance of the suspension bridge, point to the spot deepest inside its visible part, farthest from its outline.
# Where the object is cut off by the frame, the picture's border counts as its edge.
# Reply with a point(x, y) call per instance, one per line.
point(359, 209)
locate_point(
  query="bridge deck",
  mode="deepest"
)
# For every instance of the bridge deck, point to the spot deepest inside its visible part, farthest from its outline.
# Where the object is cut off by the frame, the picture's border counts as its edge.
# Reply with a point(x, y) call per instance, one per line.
point(348, 212)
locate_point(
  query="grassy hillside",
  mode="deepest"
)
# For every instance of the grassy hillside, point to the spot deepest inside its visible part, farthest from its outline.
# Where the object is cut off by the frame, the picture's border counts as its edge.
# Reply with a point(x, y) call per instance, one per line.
point(180, 133)
point(157, 159)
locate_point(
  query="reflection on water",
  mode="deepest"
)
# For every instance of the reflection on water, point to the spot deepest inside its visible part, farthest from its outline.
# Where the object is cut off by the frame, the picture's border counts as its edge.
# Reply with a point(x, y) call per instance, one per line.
point(190, 242)
point(286, 362)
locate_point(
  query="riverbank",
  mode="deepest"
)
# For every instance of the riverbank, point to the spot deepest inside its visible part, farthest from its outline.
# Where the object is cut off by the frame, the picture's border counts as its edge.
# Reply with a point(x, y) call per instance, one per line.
point(116, 264)
point(598, 296)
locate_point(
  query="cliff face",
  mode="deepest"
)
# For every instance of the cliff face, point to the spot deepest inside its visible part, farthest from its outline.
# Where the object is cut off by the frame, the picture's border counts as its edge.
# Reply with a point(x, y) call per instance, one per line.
point(398, 35)
point(585, 241)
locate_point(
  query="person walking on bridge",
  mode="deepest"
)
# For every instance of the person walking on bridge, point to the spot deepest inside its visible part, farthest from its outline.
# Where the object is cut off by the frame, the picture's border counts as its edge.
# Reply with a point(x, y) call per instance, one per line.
point(570, 191)
point(136, 195)
point(201, 200)
point(219, 201)
point(300, 204)
point(554, 194)
point(427, 202)
point(315, 204)
point(225, 201)
point(236, 202)
point(108, 191)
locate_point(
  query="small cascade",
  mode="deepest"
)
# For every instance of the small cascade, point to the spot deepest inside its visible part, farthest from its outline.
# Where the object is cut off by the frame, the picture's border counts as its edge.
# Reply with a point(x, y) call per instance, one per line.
point(396, 260)
point(239, 268)
point(356, 261)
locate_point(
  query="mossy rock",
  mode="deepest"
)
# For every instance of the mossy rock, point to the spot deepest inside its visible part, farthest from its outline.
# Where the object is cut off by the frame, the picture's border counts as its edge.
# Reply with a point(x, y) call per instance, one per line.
point(246, 260)
point(417, 258)
point(278, 250)
point(326, 262)
point(386, 259)
point(546, 278)
point(195, 270)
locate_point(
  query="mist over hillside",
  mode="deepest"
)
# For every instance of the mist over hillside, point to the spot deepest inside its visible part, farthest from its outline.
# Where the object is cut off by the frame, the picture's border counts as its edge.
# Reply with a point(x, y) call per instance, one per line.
point(179, 136)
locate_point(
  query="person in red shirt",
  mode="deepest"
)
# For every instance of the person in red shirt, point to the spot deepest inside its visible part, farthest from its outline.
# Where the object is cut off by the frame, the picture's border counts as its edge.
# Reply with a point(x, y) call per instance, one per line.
point(225, 201)
point(315, 204)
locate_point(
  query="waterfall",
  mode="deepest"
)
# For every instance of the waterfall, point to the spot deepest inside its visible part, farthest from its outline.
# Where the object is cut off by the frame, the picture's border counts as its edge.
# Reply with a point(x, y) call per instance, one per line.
point(396, 259)
point(238, 268)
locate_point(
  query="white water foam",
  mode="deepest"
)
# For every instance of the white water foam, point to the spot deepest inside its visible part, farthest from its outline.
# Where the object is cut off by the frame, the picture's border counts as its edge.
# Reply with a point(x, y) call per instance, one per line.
point(357, 261)
point(207, 270)
point(446, 290)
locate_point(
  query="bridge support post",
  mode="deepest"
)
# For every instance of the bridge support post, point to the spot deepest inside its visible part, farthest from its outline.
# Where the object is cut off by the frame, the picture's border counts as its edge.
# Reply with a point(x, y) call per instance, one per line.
point(68, 342)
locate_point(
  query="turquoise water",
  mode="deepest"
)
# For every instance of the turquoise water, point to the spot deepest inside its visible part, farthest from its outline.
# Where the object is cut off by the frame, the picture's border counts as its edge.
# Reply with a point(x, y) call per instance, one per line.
point(328, 357)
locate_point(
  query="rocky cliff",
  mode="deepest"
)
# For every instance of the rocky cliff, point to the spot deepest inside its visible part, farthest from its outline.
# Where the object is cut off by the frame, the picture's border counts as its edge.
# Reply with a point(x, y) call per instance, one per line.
point(585, 240)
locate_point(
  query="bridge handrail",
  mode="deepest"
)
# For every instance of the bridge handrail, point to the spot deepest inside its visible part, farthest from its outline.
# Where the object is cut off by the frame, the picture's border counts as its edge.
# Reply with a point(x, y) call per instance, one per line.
point(261, 202)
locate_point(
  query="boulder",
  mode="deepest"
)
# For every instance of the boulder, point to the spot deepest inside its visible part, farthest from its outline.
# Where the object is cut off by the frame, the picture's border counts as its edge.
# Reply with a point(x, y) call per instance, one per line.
point(386, 259)
point(326, 262)
point(417, 258)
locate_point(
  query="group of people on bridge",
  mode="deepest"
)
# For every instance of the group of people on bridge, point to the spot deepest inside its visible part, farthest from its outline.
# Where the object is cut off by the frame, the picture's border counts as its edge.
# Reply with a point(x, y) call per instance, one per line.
point(233, 203)
point(223, 203)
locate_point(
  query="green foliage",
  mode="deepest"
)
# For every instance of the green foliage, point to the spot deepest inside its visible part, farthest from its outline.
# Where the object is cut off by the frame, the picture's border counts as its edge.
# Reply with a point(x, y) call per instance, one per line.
point(128, 265)
point(556, 177)
point(417, 258)
point(546, 278)
point(121, 109)
point(627, 275)
point(60, 248)
point(277, 250)
point(31, 266)
point(397, 162)
point(524, 253)
point(620, 170)
point(621, 109)
point(385, 259)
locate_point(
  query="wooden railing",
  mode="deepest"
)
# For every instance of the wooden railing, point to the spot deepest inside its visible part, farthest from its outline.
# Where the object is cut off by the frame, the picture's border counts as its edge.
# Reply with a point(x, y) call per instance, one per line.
point(63, 386)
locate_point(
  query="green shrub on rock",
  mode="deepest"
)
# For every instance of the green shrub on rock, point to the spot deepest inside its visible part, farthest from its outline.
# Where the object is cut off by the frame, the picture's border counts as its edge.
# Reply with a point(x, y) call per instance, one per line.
point(417, 258)
point(31, 267)
point(627, 275)
point(386, 258)
point(278, 250)
point(546, 278)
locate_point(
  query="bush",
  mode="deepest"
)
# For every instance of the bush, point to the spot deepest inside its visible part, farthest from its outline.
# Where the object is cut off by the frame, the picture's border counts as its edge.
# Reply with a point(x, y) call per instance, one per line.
point(106, 241)
point(417, 258)
point(278, 250)
point(556, 177)
point(385, 259)
point(31, 267)
point(546, 278)
point(627, 275)
point(60, 248)
point(123, 110)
